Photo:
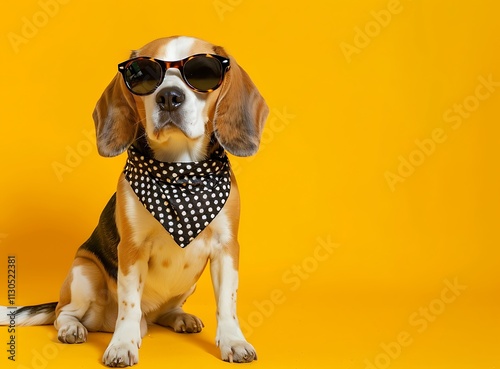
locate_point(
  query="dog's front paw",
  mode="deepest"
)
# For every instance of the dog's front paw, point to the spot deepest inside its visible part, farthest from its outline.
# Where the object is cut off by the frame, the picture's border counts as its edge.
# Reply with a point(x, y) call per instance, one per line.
point(72, 333)
point(237, 351)
point(121, 354)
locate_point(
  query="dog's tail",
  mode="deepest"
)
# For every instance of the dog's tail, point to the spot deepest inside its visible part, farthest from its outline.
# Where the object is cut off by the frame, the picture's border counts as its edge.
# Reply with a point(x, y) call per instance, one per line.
point(28, 315)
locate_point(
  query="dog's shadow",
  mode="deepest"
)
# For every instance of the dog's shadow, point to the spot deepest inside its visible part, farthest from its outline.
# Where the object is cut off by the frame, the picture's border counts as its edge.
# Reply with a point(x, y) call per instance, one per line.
point(100, 340)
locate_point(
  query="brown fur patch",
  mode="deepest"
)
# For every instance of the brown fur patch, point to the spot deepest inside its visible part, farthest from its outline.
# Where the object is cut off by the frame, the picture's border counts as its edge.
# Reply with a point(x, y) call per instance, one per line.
point(94, 271)
point(233, 213)
point(115, 117)
point(128, 253)
point(65, 293)
point(240, 112)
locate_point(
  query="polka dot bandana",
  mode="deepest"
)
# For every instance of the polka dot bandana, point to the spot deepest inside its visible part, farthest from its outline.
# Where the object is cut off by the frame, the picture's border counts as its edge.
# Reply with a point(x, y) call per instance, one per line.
point(183, 197)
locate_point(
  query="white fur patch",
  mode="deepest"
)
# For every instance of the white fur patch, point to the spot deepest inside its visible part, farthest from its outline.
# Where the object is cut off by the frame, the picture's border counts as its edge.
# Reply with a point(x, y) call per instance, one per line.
point(82, 295)
point(182, 139)
point(24, 318)
point(178, 48)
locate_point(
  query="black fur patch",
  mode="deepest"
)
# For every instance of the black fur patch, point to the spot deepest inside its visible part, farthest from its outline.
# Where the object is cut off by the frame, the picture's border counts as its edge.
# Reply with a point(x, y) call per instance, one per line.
point(38, 309)
point(104, 240)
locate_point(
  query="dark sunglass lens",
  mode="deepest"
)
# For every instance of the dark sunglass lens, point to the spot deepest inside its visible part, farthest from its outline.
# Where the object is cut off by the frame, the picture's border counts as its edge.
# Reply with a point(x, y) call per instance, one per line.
point(143, 76)
point(203, 73)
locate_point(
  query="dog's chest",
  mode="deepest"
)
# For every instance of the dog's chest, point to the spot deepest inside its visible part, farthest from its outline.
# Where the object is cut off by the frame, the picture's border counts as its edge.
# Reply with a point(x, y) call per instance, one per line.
point(173, 270)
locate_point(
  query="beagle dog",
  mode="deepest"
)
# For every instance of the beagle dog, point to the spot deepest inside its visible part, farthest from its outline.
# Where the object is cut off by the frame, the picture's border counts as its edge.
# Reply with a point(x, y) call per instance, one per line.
point(176, 106)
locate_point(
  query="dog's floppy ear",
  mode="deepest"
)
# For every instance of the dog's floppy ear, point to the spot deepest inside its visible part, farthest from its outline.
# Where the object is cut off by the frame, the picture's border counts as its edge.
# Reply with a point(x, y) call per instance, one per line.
point(116, 119)
point(240, 112)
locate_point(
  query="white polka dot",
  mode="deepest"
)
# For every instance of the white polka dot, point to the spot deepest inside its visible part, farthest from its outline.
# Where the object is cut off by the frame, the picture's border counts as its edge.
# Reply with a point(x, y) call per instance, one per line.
point(212, 188)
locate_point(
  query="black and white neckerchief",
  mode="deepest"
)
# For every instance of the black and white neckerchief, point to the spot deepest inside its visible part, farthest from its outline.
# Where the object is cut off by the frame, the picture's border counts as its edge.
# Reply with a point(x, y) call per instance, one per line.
point(183, 197)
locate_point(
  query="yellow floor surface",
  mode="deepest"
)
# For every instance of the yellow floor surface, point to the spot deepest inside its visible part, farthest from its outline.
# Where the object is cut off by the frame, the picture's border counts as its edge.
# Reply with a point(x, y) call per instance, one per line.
point(382, 138)
point(308, 325)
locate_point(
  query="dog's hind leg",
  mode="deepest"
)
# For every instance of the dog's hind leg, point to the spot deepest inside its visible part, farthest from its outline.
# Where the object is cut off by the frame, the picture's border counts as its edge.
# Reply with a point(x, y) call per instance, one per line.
point(174, 317)
point(83, 300)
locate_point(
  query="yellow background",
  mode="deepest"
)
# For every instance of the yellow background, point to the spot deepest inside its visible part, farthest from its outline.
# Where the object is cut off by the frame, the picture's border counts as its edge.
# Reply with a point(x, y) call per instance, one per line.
point(356, 90)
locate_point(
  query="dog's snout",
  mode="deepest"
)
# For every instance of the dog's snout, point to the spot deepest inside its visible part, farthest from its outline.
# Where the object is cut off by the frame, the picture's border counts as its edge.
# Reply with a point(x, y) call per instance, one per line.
point(170, 98)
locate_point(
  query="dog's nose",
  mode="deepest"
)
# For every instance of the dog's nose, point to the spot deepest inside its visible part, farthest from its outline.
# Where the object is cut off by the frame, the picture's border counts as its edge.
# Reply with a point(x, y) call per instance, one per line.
point(170, 98)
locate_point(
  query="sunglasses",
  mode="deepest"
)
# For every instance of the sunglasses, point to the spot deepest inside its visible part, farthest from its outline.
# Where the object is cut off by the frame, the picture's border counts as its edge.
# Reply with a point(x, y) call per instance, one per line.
point(201, 72)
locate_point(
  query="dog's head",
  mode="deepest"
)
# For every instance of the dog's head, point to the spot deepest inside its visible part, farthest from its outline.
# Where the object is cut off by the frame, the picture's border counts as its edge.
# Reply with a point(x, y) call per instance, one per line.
point(183, 109)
